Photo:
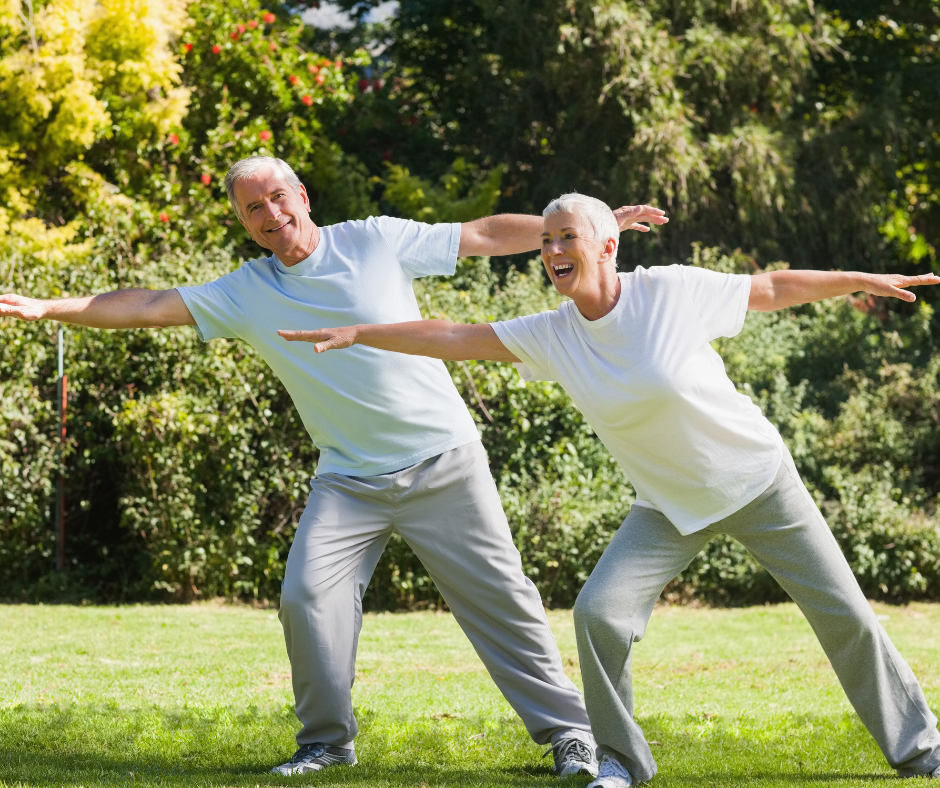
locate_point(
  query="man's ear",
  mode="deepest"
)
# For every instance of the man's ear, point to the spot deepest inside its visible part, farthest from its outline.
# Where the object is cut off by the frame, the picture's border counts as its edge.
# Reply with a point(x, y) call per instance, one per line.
point(303, 193)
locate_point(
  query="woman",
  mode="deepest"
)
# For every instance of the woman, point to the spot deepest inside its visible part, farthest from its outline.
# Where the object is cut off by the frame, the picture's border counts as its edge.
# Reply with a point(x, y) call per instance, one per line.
point(632, 350)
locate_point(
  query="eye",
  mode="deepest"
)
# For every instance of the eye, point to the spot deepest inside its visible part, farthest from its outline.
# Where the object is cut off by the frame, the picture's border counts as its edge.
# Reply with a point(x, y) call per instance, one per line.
point(570, 236)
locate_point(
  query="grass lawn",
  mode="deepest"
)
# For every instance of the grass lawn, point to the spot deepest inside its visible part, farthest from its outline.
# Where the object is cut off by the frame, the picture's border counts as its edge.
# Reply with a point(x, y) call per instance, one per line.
point(201, 696)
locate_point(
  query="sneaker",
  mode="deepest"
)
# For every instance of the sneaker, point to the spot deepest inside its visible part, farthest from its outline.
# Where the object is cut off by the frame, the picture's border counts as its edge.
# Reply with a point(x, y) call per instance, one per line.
point(611, 774)
point(314, 758)
point(573, 756)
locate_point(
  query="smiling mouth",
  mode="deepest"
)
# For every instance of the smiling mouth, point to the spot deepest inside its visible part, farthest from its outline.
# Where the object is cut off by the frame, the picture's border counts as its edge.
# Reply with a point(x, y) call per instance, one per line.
point(562, 270)
point(278, 229)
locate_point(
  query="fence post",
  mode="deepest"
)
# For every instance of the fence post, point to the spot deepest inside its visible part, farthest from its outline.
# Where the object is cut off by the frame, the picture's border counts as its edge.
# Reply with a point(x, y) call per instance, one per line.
point(62, 391)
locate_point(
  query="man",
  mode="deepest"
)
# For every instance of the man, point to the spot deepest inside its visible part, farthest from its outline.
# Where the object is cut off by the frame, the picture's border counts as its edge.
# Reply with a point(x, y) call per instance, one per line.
point(398, 449)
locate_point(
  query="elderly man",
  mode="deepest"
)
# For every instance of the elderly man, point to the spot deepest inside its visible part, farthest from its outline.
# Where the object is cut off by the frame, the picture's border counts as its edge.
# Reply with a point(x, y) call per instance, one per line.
point(398, 449)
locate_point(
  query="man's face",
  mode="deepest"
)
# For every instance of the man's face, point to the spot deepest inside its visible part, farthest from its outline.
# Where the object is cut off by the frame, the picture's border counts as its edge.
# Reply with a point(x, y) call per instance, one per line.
point(276, 216)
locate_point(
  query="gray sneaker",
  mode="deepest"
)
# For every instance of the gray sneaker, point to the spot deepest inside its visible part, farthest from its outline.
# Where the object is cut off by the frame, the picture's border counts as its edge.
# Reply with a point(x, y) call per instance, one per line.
point(573, 756)
point(314, 758)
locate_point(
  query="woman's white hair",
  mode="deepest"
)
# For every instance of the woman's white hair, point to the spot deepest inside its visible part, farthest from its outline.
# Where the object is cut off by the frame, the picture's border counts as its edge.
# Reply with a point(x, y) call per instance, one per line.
point(597, 212)
point(248, 168)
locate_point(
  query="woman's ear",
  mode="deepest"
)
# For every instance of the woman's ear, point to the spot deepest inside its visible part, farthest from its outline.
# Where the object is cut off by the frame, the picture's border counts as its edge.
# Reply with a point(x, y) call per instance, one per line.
point(609, 251)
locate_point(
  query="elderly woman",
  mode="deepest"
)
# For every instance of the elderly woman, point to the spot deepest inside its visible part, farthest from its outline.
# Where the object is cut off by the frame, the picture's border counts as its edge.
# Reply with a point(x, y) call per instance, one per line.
point(632, 350)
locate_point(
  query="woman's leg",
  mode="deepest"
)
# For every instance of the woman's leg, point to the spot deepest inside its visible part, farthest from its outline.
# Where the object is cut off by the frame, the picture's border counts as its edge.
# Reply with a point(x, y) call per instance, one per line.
point(786, 533)
point(611, 613)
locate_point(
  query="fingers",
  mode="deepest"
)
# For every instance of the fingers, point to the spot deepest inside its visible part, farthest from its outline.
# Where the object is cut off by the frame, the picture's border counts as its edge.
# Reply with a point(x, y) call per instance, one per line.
point(323, 338)
point(923, 279)
point(298, 336)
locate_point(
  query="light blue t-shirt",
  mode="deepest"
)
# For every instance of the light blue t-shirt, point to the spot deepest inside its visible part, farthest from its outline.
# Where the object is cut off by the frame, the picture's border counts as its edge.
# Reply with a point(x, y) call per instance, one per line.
point(368, 411)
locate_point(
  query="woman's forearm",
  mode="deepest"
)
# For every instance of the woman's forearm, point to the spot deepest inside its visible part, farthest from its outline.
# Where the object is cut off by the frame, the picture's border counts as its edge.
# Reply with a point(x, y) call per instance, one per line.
point(779, 289)
point(435, 338)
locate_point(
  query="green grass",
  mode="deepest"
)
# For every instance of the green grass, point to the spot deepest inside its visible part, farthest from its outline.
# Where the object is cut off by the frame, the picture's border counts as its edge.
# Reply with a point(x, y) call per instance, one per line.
point(187, 696)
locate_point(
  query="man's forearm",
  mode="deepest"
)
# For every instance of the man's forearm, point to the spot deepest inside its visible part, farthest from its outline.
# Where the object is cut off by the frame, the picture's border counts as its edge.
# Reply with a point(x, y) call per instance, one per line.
point(133, 308)
point(505, 233)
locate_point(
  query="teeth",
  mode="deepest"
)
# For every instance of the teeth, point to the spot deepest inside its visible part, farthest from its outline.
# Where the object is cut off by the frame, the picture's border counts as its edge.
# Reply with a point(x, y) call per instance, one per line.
point(561, 270)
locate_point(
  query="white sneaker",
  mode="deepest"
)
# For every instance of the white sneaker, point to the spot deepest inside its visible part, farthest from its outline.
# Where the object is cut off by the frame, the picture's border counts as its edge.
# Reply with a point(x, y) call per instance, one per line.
point(611, 775)
point(314, 758)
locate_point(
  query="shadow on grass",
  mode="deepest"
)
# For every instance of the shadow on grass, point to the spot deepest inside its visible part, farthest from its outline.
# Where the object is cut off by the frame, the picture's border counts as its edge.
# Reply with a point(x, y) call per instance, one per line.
point(110, 746)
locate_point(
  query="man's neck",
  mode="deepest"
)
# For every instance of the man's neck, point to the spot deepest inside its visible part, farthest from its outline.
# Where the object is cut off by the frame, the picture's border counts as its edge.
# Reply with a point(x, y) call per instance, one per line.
point(302, 252)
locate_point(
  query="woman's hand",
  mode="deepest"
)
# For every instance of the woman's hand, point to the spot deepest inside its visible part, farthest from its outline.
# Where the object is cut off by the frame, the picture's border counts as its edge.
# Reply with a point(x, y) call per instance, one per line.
point(629, 217)
point(892, 285)
point(324, 338)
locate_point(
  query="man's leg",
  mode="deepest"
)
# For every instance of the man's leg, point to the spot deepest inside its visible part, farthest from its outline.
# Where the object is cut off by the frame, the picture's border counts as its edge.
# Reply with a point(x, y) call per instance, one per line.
point(449, 511)
point(786, 533)
point(612, 612)
point(339, 540)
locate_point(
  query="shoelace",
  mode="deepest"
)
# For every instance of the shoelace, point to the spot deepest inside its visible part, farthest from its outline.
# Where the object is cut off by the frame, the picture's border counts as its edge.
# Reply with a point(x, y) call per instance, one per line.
point(611, 768)
point(570, 749)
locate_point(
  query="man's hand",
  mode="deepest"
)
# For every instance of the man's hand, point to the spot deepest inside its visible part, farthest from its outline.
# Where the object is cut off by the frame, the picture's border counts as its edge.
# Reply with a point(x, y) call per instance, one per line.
point(631, 217)
point(324, 338)
point(12, 305)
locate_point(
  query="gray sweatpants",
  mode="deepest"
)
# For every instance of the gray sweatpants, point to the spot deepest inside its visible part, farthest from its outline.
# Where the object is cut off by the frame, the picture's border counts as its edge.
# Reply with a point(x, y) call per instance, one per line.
point(448, 510)
point(788, 536)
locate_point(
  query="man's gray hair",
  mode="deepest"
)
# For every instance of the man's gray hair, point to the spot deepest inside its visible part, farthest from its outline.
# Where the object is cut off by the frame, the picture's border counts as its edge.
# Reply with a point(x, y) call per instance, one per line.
point(597, 212)
point(248, 168)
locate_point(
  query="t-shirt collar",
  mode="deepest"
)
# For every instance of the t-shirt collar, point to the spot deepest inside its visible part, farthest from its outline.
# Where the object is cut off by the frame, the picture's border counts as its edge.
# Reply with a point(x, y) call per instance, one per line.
point(304, 267)
point(593, 325)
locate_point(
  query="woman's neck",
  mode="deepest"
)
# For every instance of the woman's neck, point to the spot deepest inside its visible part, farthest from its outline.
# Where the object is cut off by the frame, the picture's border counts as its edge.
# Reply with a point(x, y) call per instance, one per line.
point(599, 300)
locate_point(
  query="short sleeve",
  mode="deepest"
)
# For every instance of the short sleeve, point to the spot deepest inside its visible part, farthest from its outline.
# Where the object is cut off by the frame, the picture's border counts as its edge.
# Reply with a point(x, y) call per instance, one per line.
point(422, 249)
point(719, 299)
point(217, 307)
point(529, 339)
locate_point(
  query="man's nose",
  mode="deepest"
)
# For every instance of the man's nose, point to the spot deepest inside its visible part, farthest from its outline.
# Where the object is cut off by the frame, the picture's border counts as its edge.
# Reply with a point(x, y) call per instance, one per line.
point(271, 211)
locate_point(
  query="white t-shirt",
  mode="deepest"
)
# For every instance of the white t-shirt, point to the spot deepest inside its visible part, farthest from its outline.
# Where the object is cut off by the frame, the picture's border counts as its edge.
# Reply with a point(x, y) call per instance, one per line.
point(655, 391)
point(368, 411)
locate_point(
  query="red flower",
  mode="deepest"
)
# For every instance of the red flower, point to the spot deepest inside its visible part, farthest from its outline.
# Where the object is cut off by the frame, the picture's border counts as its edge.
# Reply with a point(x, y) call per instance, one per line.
point(272, 46)
point(164, 217)
point(253, 23)
point(173, 138)
point(307, 100)
point(206, 179)
point(327, 64)
point(241, 28)
point(377, 84)
point(216, 49)
point(269, 18)
point(265, 135)
point(293, 79)
point(753, 107)
point(338, 64)
point(313, 68)
point(364, 85)
point(234, 35)
point(187, 47)
point(386, 155)
point(320, 79)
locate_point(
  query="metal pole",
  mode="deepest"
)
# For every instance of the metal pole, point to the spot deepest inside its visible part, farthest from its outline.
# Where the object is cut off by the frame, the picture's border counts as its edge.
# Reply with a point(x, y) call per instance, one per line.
point(60, 492)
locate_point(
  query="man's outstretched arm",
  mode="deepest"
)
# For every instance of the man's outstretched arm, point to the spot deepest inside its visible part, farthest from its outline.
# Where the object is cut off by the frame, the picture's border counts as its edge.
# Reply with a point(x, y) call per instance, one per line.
point(120, 309)
point(434, 338)
point(779, 289)
point(513, 233)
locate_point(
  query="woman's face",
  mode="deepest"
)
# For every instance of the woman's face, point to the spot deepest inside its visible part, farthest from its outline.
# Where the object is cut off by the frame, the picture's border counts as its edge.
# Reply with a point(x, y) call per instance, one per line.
point(573, 257)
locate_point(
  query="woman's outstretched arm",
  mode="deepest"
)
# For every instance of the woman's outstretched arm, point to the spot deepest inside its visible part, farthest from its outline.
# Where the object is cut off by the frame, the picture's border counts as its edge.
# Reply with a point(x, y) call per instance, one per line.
point(434, 338)
point(780, 289)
